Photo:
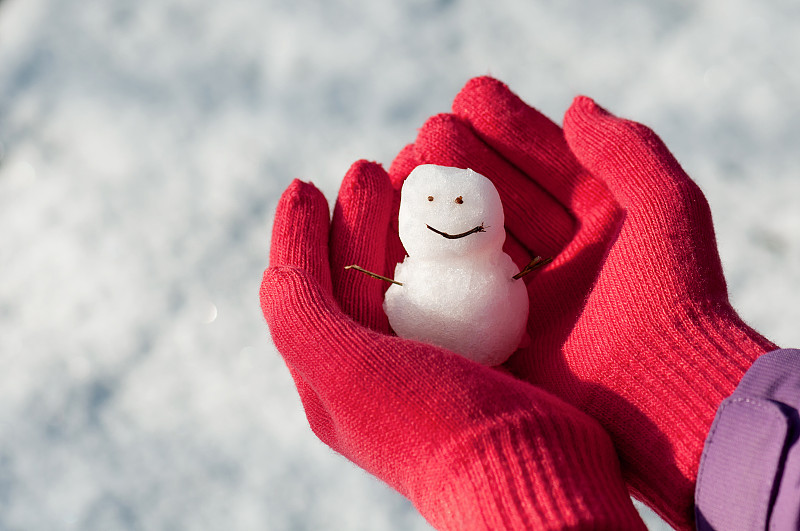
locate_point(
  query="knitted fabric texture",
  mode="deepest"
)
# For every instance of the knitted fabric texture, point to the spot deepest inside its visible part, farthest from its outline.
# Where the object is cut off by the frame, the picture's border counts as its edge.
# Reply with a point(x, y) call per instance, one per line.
point(631, 323)
point(470, 446)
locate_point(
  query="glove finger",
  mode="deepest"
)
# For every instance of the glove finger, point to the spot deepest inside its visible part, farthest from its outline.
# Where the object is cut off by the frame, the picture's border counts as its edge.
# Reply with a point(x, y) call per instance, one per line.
point(299, 239)
point(535, 218)
point(403, 163)
point(358, 236)
point(300, 232)
point(629, 157)
point(521, 134)
point(668, 217)
point(537, 146)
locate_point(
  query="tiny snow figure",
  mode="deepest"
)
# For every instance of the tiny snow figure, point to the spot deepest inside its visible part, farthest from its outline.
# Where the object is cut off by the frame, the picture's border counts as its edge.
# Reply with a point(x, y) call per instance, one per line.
point(458, 289)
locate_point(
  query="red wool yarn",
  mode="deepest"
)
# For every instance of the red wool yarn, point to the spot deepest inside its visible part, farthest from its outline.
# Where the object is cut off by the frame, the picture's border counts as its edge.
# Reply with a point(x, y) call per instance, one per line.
point(631, 332)
point(470, 446)
point(632, 322)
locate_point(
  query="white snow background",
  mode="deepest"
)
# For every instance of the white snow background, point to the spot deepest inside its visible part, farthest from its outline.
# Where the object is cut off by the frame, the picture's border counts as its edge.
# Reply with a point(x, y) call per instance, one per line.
point(144, 145)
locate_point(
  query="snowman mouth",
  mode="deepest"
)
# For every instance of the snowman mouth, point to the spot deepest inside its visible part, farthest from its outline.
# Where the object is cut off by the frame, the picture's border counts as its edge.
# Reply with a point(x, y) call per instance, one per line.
point(479, 228)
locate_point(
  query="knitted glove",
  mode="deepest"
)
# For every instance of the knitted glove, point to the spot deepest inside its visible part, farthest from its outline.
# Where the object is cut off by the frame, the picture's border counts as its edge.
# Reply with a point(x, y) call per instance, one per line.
point(631, 323)
point(470, 446)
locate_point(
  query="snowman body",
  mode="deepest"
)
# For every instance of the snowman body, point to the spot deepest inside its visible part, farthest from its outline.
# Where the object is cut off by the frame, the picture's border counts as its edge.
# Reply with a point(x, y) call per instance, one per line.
point(457, 288)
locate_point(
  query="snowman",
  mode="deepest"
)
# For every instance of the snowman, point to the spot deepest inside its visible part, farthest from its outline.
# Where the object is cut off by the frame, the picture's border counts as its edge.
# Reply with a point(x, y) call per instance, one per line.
point(456, 289)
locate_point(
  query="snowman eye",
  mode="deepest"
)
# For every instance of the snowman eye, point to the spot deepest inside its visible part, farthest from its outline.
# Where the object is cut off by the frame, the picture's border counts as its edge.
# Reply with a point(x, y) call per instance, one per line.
point(459, 200)
point(430, 198)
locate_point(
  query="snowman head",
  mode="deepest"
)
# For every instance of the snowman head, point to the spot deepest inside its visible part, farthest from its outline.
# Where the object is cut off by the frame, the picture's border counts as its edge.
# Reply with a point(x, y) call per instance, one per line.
point(449, 212)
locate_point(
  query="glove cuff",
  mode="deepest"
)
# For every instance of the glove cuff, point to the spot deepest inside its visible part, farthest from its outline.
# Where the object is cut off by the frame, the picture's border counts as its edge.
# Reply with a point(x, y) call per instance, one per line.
point(676, 383)
point(555, 471)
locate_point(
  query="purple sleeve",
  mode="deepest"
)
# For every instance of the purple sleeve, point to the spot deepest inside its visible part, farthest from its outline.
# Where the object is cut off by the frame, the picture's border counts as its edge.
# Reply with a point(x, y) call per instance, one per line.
point(749, 476)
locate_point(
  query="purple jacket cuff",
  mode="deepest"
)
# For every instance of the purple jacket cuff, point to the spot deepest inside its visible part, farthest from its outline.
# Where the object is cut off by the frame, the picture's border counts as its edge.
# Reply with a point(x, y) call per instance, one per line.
point(749, 476)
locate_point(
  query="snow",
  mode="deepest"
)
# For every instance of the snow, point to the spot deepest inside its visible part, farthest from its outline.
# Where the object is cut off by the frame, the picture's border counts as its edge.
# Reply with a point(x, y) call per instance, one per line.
point(143, 147)
point(456, 289)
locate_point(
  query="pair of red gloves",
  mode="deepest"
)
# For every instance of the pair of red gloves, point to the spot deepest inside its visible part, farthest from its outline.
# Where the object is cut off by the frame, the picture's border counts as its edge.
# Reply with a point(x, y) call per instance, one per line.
point(633, 341)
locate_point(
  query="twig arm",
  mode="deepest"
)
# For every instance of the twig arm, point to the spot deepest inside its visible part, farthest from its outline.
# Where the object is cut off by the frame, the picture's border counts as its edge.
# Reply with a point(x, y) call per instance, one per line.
point(533, 265)
point(373, 275)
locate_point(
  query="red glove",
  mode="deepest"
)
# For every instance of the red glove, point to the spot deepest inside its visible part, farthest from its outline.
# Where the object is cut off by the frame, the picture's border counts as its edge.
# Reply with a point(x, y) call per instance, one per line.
point(472, 447)
point(631, 323)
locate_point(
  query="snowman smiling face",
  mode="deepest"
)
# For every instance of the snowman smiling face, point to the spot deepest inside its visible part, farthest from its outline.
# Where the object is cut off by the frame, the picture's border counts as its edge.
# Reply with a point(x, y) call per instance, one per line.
point(479, 228)
point(449, 212)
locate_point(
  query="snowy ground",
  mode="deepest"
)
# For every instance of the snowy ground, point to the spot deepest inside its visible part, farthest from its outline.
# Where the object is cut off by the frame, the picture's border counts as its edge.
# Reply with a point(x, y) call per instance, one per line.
point(143, 146)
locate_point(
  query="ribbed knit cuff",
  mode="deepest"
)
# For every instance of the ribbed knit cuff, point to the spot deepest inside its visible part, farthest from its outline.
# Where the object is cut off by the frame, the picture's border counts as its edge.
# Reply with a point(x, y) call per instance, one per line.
point(675, 385)
point(558, 472)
